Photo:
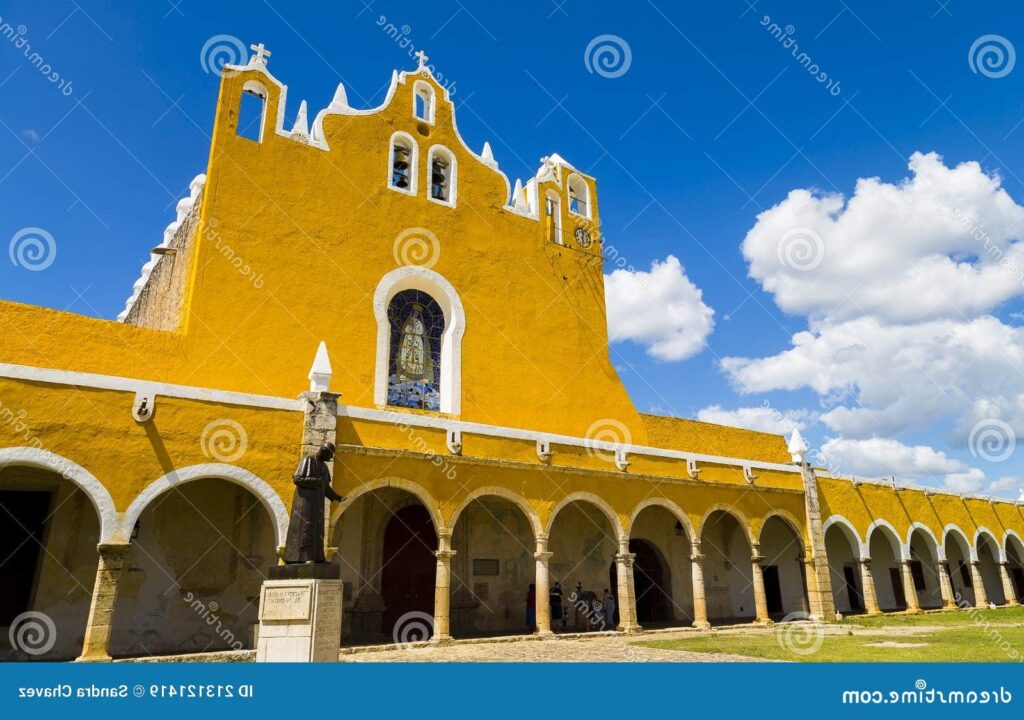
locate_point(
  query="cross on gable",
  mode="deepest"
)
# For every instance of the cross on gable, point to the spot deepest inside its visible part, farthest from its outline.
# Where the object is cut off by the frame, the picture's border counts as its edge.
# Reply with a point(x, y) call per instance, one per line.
point(422, 57)
point(260, 54)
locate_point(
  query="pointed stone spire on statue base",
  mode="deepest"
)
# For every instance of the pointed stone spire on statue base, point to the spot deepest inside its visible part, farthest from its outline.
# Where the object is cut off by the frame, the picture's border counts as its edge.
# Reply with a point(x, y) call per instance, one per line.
point(301, 603)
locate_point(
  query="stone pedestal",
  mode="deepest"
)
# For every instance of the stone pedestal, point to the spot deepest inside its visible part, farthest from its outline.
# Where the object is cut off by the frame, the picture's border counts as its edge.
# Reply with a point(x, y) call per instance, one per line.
point(300, 614)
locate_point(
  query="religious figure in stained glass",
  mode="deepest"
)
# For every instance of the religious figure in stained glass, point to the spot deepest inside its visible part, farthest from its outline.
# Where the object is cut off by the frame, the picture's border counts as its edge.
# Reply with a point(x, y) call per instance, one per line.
point(417, 324)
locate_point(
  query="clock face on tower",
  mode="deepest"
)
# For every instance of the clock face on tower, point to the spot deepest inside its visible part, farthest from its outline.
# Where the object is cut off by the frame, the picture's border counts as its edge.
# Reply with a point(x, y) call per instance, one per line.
point(583, 238)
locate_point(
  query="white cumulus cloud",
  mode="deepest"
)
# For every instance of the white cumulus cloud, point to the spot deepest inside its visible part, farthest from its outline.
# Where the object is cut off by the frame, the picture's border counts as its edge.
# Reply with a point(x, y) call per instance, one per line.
point(662, 310)
point(897, 284)
point(763, 418)
point(881, 458)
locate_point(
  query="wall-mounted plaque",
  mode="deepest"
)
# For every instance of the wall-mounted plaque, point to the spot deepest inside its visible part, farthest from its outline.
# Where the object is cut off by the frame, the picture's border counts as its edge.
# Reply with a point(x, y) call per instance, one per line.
point(484, 566)
point(286, 602)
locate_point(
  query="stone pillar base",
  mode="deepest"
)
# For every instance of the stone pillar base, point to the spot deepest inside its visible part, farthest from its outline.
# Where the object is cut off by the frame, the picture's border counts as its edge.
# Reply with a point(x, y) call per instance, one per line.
point(701, 625)
point(300, 616)
point(94, 659)
point(631, 630)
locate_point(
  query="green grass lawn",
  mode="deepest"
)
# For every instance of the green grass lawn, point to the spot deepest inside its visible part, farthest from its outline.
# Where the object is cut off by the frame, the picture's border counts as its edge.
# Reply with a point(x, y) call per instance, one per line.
point(963, 637)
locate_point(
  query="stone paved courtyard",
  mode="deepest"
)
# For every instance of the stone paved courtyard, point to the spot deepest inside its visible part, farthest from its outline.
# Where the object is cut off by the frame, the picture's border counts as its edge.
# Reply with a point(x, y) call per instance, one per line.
point(574, 648)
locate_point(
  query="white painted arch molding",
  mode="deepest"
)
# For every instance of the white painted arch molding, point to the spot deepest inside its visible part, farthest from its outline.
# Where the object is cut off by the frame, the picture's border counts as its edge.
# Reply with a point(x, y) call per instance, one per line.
point(847, 528)
point(416, 277)
point(900, 550)
point(110, 525)
point(215, 471)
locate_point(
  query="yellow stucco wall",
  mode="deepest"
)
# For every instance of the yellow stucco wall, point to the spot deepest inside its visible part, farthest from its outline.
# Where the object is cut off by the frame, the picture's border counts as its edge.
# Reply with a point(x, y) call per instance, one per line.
point(319, 229)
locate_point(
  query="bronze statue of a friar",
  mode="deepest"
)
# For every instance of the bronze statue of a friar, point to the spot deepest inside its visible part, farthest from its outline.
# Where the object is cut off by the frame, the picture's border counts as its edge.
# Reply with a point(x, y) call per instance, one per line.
point(305, 543)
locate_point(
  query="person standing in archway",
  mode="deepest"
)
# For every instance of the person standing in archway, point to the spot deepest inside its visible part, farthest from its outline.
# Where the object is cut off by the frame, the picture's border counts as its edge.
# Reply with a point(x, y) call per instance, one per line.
point(555, 601)
point(531, 608)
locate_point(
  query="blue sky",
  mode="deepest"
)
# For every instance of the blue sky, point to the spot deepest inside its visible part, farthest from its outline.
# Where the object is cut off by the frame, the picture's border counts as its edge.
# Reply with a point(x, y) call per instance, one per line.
point(713, 121)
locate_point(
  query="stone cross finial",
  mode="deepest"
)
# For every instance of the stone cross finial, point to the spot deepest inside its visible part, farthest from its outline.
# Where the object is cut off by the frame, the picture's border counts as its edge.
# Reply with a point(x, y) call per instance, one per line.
point(422, 58)
point(260, 55)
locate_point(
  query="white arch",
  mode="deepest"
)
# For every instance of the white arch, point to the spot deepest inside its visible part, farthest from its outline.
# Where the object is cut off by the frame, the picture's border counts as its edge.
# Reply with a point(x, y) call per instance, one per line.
point(1000, 550)
point(425, 92)
point(110, 525)
point(736, 515)
point(414, 159)
point(215, 471)
point(1006, 544)
point(576, 184)
point(514, 498)
point(453, 174)
point(667, 504)
point(417, 277)
point(900, 551)
point(594, 500)
point(787, 518)
point(940, 551)
point(418, 491)
point(965, 547)
point(847, 528)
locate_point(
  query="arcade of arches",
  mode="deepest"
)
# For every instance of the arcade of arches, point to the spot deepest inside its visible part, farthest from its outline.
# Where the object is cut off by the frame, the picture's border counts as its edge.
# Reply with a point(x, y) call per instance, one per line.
point(198, 552)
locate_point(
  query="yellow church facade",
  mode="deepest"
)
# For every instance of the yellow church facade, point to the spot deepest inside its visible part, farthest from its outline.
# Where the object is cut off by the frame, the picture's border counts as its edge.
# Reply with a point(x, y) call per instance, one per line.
point(366, 278)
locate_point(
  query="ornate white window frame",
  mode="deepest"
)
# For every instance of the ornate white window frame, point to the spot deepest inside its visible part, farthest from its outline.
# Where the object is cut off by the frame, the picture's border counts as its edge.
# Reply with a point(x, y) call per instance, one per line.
point(415, 277)
point(414, 161)
point(453, 175)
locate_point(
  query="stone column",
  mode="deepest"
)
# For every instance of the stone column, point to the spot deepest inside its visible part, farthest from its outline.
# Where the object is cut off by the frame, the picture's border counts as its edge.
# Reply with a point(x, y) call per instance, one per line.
point(626, 591)
point(945, 585)
point(1008, 590)
point(543, 586)
point(909, 589)
point(442, 586)
point(114, 560)
point(980, 596)
point(700, 603)
point(320, 426)
point(867, 582)
point(757, 578)
point(819, 582)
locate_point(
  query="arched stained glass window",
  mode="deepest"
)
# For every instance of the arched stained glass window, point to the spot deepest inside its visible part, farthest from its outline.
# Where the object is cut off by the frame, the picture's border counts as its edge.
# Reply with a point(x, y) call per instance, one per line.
point(414, 372)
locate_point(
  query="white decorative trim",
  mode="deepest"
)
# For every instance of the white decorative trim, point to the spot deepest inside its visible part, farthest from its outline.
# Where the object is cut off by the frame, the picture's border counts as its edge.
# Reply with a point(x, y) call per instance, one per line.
point(418, 491)
point(415, 277)
point(791, 522)
point(594, 500)
point(940, 551)
point(848, 530)
point(672, 508)
point(736, 515)
point(902, 551)
point(131, 385)
point(219, 471)
point(557, 214)
point(573, 176)
point(414, 162)
point(971, 553)
point(1006, 543)
point(1000, 550)
point(430, 103)
point(453, 175)
point(110, 521)
point(518, 500)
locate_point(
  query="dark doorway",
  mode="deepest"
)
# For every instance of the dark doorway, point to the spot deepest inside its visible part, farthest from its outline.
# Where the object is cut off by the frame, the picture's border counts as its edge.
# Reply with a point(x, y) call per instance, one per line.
point(852, 593)
point(23, 517)
point(651, 583)
point(900, 597)
point(772, 589)
point(1018, 583)
point(407, 577)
